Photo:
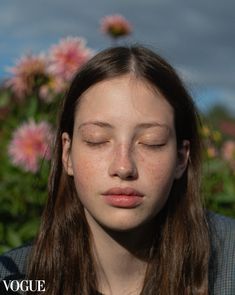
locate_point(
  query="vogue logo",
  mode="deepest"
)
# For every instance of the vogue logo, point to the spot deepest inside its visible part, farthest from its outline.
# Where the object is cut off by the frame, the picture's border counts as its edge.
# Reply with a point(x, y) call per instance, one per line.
point(25, 285)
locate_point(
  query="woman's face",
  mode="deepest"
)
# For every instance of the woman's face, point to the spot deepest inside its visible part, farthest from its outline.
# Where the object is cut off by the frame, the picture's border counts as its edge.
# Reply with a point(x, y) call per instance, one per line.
point(123, 155)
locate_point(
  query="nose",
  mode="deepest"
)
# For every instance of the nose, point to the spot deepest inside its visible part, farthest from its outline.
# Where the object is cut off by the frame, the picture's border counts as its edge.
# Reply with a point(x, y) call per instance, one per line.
point(123, 164)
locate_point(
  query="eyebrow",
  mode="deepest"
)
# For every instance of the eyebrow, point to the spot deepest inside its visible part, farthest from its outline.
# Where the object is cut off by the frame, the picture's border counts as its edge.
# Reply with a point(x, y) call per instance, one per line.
point(151, 125)
point(96, 123)
point(139, 126)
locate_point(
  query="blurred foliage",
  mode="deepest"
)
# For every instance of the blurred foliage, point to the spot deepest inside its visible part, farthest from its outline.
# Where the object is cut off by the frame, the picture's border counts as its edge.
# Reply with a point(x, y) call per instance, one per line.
point(218, 181)
point(23, 193)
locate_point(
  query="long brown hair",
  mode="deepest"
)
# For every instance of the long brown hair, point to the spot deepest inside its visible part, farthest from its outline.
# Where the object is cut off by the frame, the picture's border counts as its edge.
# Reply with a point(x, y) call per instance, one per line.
point(179, 262)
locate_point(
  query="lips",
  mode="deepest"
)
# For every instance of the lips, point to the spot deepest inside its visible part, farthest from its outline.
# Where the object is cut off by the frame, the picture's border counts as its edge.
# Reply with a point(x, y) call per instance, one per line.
point(123, 197)
point(128, 191)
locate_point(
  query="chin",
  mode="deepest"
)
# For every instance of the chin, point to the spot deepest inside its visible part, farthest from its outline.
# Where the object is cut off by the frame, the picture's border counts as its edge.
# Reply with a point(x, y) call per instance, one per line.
point(124, 224)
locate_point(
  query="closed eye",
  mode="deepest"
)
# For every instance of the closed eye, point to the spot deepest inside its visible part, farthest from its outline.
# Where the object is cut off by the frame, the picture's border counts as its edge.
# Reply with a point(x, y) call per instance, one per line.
point(96, 143)
point(152, 146)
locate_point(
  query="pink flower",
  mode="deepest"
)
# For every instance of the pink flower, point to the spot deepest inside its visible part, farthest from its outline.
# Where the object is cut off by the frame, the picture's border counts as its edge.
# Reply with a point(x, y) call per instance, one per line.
point(68, 56)
point(228, 153)
point(30, 143)
point(115, 26)
point(26, 74)
point(228, 150)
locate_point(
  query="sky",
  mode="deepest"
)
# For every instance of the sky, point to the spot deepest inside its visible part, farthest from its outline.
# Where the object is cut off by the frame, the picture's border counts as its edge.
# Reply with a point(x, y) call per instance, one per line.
point(196, 37)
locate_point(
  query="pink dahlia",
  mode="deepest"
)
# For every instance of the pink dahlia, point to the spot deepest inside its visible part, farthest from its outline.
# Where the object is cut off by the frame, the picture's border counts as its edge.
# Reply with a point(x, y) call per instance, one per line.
point(68, 56)
point(228, 153)
point(30, 143)
point(29, 71)
point(115, 26)
point(228, 150)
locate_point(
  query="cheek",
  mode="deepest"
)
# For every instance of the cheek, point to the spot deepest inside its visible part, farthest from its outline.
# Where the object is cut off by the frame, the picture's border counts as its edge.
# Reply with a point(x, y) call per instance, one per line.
point(159, 171)
point(158, 177)
point(86, 170)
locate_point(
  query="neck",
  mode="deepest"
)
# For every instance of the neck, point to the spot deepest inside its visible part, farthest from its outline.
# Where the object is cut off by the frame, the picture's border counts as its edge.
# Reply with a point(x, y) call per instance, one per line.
point(121, 258)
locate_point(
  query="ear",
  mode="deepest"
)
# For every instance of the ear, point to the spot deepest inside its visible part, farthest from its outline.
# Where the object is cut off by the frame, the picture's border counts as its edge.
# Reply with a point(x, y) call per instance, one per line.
point(183, 157)
point(66, 157)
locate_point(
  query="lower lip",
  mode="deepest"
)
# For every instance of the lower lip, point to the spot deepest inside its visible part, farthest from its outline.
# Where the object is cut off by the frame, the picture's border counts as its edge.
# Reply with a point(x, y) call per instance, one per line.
point(123, 201)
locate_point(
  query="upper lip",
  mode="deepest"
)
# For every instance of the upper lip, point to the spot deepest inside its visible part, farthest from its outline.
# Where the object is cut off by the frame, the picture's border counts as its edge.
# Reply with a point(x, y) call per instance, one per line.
point(129, 191)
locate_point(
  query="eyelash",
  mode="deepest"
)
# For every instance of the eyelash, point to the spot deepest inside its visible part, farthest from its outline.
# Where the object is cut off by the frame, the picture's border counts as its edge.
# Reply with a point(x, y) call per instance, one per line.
point(149, 146)
point(95, 144)
point(153, 146)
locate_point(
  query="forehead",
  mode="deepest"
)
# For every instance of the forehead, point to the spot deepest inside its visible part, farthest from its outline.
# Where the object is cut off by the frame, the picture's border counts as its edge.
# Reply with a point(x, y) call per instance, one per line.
point(124, 99)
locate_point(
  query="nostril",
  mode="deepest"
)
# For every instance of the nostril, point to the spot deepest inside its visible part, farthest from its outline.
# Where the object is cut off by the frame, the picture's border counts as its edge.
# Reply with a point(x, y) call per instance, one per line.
point(128, 173)
point(130, 177)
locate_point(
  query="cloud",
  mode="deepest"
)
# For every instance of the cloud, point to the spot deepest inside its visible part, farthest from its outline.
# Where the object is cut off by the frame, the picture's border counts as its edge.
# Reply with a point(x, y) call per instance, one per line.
point(195, 36)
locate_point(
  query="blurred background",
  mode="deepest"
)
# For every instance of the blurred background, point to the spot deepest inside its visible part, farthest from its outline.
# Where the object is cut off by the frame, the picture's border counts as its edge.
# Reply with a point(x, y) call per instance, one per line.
point(44, 42)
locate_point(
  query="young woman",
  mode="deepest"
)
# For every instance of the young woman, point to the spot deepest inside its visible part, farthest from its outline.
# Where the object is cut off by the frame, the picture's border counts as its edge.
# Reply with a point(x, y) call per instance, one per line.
point(124, 213)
